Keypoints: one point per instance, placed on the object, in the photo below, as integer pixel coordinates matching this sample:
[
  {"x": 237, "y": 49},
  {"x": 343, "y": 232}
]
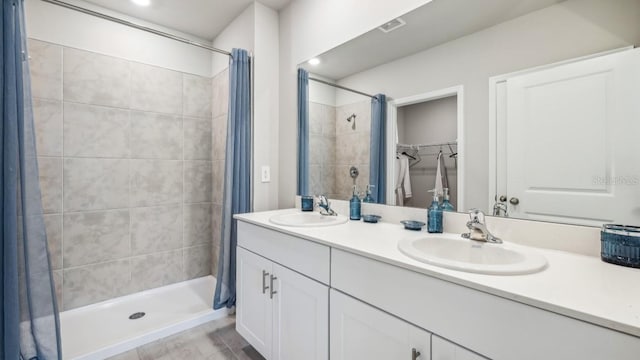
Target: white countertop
[{"x": 578, "y": 286}]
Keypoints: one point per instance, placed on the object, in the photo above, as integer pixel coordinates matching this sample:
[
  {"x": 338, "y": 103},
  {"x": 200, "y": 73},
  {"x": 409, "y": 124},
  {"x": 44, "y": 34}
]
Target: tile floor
[{"x": 216, "y": 340}]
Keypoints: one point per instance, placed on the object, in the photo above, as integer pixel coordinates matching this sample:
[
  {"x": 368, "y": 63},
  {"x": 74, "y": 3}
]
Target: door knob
[
  {"x": 415, "y": 354},
  {"x": 503, "y": 198},
  {"x": 514, "y": 201}
]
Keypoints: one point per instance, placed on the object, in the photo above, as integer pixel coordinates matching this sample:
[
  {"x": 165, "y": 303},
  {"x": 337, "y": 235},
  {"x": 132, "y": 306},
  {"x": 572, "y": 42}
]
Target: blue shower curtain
[
  {"x": 30, "y": 325},
  {"x": 303, "y": 132},
  {"x": 237, "y": 175},
  {"x": 378, "y": 157}
]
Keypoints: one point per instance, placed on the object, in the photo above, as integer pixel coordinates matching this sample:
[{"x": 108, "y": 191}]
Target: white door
[
  {"x": 300, "y": 317},
  {"x": 254, "y": 315},
  {"x": 572, "y": 136},
  {"x": 442, "y": 349},
  {"x": 362, "y": 332}
]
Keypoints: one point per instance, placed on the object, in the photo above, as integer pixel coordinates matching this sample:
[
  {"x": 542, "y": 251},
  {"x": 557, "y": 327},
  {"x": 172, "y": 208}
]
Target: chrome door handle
[
  {"x": 415, "y": 354},
  {"x": 272, "y": 292},
  {"x": 264, "y": 281}
]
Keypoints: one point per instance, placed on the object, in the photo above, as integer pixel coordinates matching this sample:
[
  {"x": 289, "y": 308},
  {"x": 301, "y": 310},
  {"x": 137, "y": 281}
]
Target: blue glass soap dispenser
[
  {"x": 446, "y": 204},
  {"x": 368, "y": 198},
  {"x": 434, "y": 215},
  {"x": 355, "y": 205}
]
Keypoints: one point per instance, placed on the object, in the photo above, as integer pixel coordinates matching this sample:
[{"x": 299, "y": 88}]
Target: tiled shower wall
[
  {"x": 335, "y": 146},
  {"x": 129, "y": 157}
]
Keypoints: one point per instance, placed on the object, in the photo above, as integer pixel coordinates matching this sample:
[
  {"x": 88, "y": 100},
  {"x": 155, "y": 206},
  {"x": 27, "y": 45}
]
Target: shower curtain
[
  {"x": 237, "y": 175},
  {"x": 377, "y": 154},
  {"x": 303, "y": 132},
  {"x": 30, "y": 325}
]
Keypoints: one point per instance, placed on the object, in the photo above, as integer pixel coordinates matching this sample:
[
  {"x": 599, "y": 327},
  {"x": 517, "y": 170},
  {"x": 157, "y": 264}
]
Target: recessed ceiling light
[
  {"x": 314, "y": 61},
  {"x": 141, "y": 2}
]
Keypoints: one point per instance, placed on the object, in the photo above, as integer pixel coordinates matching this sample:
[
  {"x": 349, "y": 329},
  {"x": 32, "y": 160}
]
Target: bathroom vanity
[{"x": 346, "y": 292}]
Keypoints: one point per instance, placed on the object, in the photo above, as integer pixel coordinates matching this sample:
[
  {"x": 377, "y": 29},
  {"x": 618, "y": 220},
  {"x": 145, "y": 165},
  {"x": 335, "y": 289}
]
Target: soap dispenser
[
  {"x": 355, "y": 205},
  {"x": 368, "y": 198},
  {"x": 434, "y": 215},
  {"x": 446, "y": 204}
]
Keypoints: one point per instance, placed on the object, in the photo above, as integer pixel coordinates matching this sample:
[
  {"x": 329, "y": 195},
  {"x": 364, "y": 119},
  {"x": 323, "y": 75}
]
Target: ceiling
[
  {"x": 435, "y": 23},
  {"x": 202, "y": 18}
]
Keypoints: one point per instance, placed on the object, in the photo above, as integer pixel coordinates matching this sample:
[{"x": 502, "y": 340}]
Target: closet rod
[
  {"x": 419, "y": 146},
  {"x": 341, "y": 87},
  {"x": 136, "y": 26}
]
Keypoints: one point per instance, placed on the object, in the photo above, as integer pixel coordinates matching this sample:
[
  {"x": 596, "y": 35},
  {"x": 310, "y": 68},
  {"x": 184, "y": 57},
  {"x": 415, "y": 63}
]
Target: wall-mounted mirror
[{"x": 523, "y": 108}]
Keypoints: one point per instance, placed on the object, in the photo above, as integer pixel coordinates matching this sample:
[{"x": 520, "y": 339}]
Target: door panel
[
  {"x": 445, "y": 350},
  {"x": 254, "y": 314},
  {"x": 361, "y": 332},
  {"x": 301, "y": 317},
  {"x": 569, "y": 139}
]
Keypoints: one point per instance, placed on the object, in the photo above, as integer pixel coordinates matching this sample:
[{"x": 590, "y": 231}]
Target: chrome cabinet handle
[
  {"x": 272, "y": 292},
  {"x": 415, "y": 354},
  {"x": 264, "y": 281}
]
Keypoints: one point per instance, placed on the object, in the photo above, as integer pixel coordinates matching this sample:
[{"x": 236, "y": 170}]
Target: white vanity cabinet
[
  {"x": 283, "y": 314},
  {"x": 360, "y": 331},
  {"x": 442, "y": 349}
]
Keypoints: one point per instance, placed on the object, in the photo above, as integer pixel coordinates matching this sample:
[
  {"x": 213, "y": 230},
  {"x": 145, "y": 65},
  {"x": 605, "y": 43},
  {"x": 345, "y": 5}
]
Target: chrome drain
[{"x": 136, "y": 316}]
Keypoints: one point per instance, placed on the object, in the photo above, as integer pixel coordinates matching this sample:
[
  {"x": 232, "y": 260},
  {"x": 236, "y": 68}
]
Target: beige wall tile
[
  {"x": 156, "y": 136},
  {"x": 53, "y": 226},
  {"x": 156, "y": 89},
  {"x": 156, "y": 182},
  {"x": 220, "y": 89},
  {"x": 47, "y": 116},
  {"x": 197, "y": 138},
  {"x": 95, "y": 184},
  {"x": 154, "y": 270},
  {"x": 218, "y": 182},
  {"x": 155, "y": 229},
  {"x": 92, "y": 237},
  {"x": 197, "y": 261},
  {"x": 46, "y": 69},
  {"x": 198, "y": 181},
  {"x": 95, "y": 131},
  {"x": 94, "y": 283},
  {"x": 92, "y": 78},
  {"x": 198, "y": 224},
  {"x": 197, "y": 95},
  {"x": 219, "y": 135},
  {"x": 50, "y": 173}
]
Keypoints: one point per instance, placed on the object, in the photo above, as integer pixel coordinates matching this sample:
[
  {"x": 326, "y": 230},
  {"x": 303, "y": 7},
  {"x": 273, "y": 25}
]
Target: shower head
[{"x": 352, "y": 117}]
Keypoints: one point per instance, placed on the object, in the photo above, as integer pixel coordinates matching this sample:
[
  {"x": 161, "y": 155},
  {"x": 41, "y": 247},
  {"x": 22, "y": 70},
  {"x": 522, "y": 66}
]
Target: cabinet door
[
  {"x": 362, "y": 332},
  {"x": 254, "y": 316},
  {"x": 300, "y": 317},
  {"x": 442, "y": 349}
]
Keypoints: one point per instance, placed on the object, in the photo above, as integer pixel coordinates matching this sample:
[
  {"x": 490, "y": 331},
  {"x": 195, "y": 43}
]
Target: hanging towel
[
  {"x": 403, "y": 180},
  {"x": 442, "y": 180}
]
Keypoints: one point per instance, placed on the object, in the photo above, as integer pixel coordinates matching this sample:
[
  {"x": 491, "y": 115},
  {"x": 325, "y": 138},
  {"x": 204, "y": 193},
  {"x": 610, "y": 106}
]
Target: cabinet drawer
[
  {"x": 495, "y": 327},
  {"x": 303, "y": 256}
]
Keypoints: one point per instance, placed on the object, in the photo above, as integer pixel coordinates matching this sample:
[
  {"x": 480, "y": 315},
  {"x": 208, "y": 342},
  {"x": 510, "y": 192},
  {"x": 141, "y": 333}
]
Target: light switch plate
[{"x": 266, "y": 174}]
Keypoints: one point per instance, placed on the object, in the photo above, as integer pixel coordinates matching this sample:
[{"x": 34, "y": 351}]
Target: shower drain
[{"x": 136, "y": 316}]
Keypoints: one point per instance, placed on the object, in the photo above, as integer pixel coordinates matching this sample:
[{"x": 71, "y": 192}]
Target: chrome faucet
[
  {"x": 325, "y": 206},
  {"x": 478, "y": 229}
]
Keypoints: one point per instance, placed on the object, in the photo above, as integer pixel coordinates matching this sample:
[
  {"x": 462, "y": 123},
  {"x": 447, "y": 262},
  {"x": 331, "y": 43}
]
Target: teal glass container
[{"x": 620, "y": 245}]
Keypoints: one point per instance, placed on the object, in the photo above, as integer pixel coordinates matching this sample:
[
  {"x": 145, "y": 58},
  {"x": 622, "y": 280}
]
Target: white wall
[
  {"x": 266, "y": 106},
  {"x": 240, "y": 33},
  {"x": 256, "y": 29},
  {"x": 70, "y": 28},
  {"x": 309, "y": 28},
  {"x": 321, "y": 93},
  {"x": 570, "y": 29}
]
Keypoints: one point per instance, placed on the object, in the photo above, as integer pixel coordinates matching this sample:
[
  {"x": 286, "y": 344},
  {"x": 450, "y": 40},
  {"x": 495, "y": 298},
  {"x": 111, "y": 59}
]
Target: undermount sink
[
  {"x": 307, "y": 219},
  {"x": 454, "y": 252}
]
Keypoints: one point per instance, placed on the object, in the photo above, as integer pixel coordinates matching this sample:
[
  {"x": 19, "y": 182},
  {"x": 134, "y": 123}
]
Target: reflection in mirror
[{"x": 563, "y": 75}]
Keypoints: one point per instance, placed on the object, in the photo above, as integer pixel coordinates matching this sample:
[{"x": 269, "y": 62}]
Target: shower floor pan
[{"x": 105, "y": 329}]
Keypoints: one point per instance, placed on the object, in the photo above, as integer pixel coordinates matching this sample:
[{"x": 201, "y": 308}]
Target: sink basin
[
  {"x": 453, "y": 252},
  {"x": 307, "y": 219}
]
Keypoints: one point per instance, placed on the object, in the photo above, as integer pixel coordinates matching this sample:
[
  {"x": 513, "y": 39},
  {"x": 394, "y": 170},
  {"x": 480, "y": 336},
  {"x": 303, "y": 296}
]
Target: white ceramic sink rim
[
  {"x": 450, "y": 250},
  {"x": 307, "y": 219}
]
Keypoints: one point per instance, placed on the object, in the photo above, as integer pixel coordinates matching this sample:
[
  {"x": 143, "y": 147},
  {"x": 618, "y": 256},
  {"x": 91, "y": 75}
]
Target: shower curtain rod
[
  {"x": 136, "y": 26},
  {"x": 341, "y": 87}
]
